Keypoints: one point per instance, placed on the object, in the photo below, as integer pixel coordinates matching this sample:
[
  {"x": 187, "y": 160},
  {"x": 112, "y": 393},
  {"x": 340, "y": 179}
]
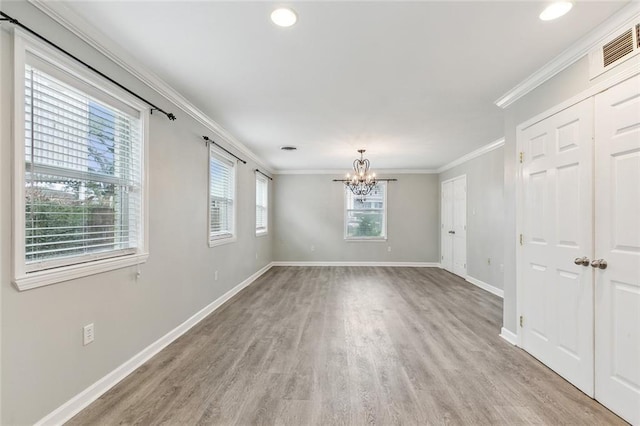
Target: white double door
[
  {"x": 454, "y": 226},
  {"x": 580, "y": 258}
]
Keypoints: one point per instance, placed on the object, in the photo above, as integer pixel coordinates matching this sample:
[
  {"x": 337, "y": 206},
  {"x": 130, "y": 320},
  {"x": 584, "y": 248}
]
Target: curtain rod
[
  {"x": 14, "y": 21},
  {"x": 380, "y": 180},
  {"x": 264, "y": 174},
  {"x": 208, "y": 140}
]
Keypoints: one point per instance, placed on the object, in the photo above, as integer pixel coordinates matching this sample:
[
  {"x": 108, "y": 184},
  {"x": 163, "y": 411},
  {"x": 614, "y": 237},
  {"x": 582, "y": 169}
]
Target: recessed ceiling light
[
  {"x": 288, "y": 148},
  {"x": 556, "y": 10},
  {"x": 284, "y": 17}
]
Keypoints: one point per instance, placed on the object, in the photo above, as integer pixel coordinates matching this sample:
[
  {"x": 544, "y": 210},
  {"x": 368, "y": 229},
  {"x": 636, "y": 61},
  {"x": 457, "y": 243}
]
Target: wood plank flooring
[{"x": 347, "y": 346}]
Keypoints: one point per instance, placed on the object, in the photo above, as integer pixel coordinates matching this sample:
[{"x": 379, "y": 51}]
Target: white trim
[
  {"x": 473, "y": 154},
  {"x": 70, "y": 20},
  {"x": 487, "y": 287},
  {"x": 384, "y": 235},
  {"x": 342, "y": 172},
  {"x": 93, "y": 392},
  {"x": 332, "y": 263},
  {"x": 570, "y": 55},
  {"x": 23, "y": 279},
  {"x": 219, "y": 155},
  {"x": 509, "y": 336},
  {"x": 71, "y": 272}
]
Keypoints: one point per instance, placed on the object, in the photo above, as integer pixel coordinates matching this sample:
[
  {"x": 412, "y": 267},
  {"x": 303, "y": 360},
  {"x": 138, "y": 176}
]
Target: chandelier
[{"x": 362, "y": 182}]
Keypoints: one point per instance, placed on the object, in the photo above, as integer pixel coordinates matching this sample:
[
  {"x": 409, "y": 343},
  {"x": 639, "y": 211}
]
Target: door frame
[
  {"x": 464, "y": 175},
  {"x": 585, "y": 94}
]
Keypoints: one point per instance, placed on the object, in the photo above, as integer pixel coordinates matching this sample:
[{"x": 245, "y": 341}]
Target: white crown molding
[
  {"x": 342, "y": 172},
  {"x": 487, "y": 287},
  {"x": 473, "y": 154},
  {"x": 73, "y": 406},
  {"x": 70, "y": 20},
  {"x": 570, "y": 55},
  {"x": 331, "y": 263},
  {"x": 509, "y": 336}
]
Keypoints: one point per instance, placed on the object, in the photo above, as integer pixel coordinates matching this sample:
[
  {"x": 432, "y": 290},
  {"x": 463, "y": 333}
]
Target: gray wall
[
  {"x": 563, "y": 86},
  {"x": 43, "y": 360},
  {"x": 309, "y": 211},
  {"x": 485, "y": 236}
]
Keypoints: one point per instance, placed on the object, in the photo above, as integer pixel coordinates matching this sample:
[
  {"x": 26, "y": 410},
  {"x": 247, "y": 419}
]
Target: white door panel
[
  {"x": 454, "y": 226},
  {"x": 617, "y": 303},
  {"x": 460, "y": 226},
  {"x": 447, "y": 226},
  {"x": 557, "y": 228}
]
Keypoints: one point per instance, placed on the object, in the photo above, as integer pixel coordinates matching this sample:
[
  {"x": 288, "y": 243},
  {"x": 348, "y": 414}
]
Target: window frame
[
  {"x": 260, "y": 232},
  {"x": 233, "y": 236},
  {"x": 381, "y": 238},
  {"x": 24, "y": 278}
]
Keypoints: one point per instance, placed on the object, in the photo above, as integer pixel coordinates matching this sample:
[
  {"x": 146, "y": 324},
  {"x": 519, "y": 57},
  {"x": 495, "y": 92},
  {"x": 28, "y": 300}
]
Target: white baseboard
[
  {"x": 488, "y": 287},
  {"x": 72, "y": 407},
  {"x": 394, "y": 264},
  {"x": 509, "y": 336}
]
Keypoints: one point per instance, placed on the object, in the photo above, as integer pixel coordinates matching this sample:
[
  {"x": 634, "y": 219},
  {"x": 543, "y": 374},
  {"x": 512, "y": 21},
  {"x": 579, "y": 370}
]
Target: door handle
[
  {"x": 452, "y": 232},
  {"x": 600, "y": 263},
  {"x": 584, "y": 261}
]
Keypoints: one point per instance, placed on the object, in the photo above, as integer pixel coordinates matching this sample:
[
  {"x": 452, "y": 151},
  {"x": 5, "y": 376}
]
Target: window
[
  {"x": 262, "y": 204},
  {"x": 79, "y": 166},
  {"x": 366, "y": 217},
  {"x": 221, "y": 197}
]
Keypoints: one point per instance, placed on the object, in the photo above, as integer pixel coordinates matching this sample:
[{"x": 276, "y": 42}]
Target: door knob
[
  {"x": 600, "y": 263},
  {"x": 584, "y": 261}
]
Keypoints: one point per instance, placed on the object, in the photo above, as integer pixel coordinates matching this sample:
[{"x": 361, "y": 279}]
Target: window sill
[
  {"x": 366, "y": 240},
  {"x": 67, "y": 273},
  {"x": 262, "y": 233},
  {"x": 222, "y": 241}
]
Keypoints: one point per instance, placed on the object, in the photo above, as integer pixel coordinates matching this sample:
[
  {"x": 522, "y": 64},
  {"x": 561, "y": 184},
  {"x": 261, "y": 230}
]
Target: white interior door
[
  {"x": 617, "y": 303},
  {"x": 557, "y": 300},
  {"x": 447, "y": 226},
  {"x": 459, "y": 235}
]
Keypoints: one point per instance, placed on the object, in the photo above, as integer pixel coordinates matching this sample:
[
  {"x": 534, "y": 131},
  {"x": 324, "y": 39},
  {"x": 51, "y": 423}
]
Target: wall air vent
[{"x": 618, "y": 47}]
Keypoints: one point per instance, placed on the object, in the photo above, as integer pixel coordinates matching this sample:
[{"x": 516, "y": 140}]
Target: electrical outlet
[
  {"x": 313, "y": 248},
  {"x": 501, "y": 267},
  {"x": 215, "y": 276},
  {"x": 88, "y": 334},
  {"x": 389, "y": 249}
]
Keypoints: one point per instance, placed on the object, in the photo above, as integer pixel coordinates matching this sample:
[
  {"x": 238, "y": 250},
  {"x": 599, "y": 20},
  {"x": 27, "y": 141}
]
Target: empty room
[{"x": 319, "y": 212}]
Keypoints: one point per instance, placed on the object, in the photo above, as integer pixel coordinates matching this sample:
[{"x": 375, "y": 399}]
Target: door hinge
[
  {"x": 521, "y": 321},
  {"x": 521, "y": 157},
  {"x": 465, "y": 266},
  {"x": 521, "y": 239},
  {"x": 441, "y": 257}
]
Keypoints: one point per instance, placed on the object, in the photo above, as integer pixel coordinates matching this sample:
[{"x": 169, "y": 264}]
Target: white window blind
[
  {"x": 82, "y": 175},
  {"x": 365, "y": 217},
  {"x": 221, "y": 195},
  {"x": 262, "y": 206}
]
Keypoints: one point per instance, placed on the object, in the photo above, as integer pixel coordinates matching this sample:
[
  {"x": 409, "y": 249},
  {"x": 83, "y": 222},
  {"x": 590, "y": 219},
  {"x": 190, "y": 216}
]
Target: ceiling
[{"x": 412, "y": 82}]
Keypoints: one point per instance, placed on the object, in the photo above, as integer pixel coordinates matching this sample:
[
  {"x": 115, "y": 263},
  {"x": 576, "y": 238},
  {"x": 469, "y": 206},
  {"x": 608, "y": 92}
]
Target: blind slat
[
  {"x": 221, "y": 195},
  {"x": 82, "y": 175}
]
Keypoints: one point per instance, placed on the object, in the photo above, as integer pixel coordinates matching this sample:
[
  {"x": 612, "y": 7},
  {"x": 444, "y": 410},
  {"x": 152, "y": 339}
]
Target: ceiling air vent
[{"x": 617, "y": 48}]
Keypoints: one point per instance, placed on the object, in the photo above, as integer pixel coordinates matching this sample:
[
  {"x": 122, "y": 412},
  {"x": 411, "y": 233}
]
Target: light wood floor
[{"x": 348, "y": 346}]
